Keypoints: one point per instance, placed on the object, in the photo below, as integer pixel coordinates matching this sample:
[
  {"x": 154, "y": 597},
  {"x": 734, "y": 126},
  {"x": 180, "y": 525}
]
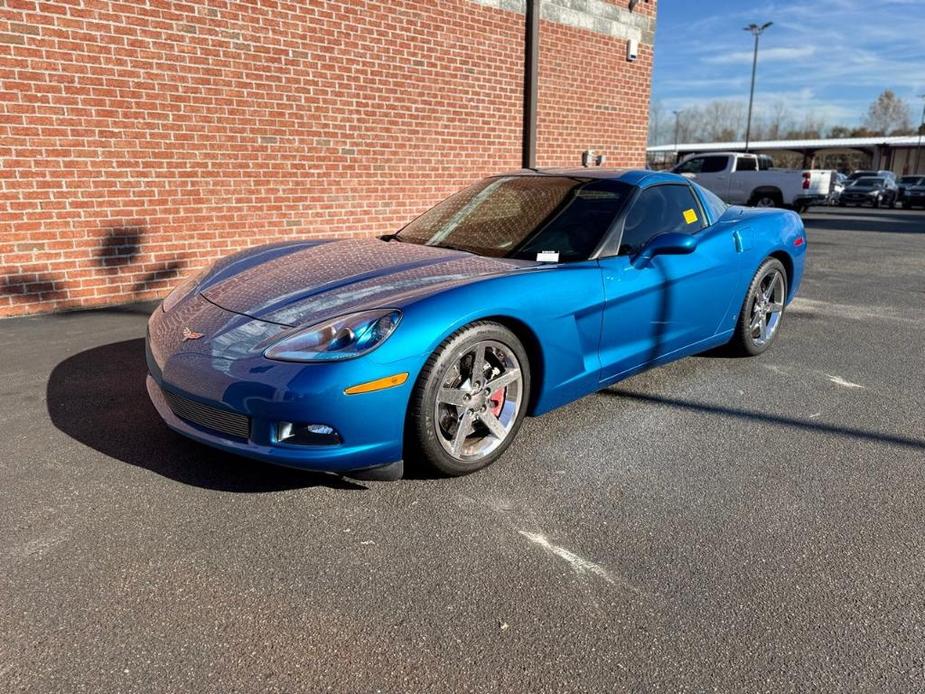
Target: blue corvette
[{"x": 517, "y": 295}]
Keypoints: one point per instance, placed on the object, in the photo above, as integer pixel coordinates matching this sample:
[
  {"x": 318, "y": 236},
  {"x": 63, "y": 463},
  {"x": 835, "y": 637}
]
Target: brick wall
[{"x": 140, "y": 140}]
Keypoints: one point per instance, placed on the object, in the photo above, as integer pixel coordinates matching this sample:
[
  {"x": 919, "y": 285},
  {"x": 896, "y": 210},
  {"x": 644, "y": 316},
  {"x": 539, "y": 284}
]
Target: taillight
[
  {"x": 799, "y": 241},
  {"x": 806, "y": 177}
]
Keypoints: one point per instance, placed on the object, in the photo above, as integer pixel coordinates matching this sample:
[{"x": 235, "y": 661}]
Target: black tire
[
  {"x": 423, "y": 429},
  {"x": 743, "y": 340}
]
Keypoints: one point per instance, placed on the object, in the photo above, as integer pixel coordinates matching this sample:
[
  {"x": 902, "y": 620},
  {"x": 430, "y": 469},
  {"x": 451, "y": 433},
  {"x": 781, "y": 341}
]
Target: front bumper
[
  {"x": 370, "y": 425},
  {"x": 864, "y": 199}
]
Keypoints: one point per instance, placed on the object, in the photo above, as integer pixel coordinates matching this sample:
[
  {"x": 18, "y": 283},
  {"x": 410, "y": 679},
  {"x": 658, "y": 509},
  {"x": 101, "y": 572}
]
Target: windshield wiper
[{"x": 391, "y": 237}]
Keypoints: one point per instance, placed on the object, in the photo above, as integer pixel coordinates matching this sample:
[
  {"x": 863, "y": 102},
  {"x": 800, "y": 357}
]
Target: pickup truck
[{"x": 750, "y": 179}]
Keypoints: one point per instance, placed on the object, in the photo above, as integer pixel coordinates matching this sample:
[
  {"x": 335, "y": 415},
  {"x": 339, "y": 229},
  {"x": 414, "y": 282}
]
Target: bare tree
[
  {"x": 889, "y": 114},
  {"x": 777, "y": 119},
  {"x": 656, "y": 122},
  {"x": 722, "y": 120}
]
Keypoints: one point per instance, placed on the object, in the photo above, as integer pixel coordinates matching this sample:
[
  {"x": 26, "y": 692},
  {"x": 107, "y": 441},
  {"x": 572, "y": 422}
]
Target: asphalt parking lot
[{"x": 729, "y": 524}]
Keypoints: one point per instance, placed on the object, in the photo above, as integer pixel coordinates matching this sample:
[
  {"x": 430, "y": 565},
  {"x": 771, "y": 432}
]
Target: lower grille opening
[{"x": 208, "y": 417}]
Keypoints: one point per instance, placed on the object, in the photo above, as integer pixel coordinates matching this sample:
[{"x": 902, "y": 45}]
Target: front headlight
[
  {"x": 339, "y": 338},
  {"x": 183, "y": 290}
]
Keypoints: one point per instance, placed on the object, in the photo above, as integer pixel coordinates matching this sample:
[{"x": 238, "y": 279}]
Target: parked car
[
  {"x": 864, "y": 173},
  {"x": 876, "y": 191},
  {"x": 904, "y": 183},
  {"x": 515, "y": 296},
  {"x": 913, "y": 195},
  {"x": 749, "y": 179}
]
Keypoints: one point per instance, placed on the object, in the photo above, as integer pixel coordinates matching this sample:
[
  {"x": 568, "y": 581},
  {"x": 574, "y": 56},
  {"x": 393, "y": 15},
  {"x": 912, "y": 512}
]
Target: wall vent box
[{"x": 632, "y": 49}]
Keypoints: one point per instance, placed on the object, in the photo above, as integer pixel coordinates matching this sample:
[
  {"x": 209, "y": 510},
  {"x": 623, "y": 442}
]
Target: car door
[
  {"x": 671, "y": 302},
  {"x": 743, "y": 180}
]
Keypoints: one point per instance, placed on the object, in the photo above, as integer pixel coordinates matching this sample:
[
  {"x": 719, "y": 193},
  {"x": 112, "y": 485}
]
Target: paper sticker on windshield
[
  {"x": 547, "y": 257},
  {"x": 690, "y": 216}
]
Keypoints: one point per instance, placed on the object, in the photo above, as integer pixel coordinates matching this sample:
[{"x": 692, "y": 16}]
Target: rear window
[{"x": 862, "y": 182}]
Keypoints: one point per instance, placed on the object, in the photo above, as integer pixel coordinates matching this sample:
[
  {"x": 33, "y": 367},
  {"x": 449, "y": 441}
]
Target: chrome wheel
[
  {"x": 765, "y": 201},
  {"x": 478, "y": 399},
  {"x": 767, "y": 305}
]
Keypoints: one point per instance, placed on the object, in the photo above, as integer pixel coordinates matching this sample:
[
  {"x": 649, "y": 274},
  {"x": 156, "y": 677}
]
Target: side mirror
[{"x": 669, "y": 243}]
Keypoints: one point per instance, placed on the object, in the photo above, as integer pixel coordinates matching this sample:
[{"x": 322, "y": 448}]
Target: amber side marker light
[{"x": 378, "y": 384}]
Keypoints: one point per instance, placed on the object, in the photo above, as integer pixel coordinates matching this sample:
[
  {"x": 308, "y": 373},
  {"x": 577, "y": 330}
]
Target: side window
[
  {"x": 659, "y": 210},
  {"x": 746, "y": 164},
  {"x": 693, "y": 166},
  {"x": 716, "y": 207},
  {"x": 714, "y": 164}
]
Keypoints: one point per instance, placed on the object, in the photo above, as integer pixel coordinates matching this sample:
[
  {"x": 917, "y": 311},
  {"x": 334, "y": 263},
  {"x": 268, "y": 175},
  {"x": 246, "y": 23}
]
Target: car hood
[{"x": 299, "y": 283}]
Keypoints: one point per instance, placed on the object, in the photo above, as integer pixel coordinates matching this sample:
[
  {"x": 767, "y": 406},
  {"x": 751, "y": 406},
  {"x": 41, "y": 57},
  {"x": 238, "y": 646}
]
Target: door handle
[{"x": 743, "y": 239}]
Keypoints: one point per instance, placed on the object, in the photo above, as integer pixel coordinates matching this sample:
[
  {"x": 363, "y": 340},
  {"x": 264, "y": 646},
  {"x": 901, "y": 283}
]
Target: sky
[{"x": 825, "y": 58}]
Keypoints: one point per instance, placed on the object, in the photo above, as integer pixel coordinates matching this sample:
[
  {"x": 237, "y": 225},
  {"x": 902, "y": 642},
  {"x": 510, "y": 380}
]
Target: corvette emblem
[{"x": 190, "y": 335}]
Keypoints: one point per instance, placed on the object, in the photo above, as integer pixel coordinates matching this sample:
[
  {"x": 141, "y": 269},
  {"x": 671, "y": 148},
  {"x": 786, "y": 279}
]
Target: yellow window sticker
[{"x": 690, "y": 216}]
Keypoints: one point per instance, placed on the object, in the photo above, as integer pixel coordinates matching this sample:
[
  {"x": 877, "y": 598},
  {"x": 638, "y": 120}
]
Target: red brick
[{"x": 211, "y": 131}]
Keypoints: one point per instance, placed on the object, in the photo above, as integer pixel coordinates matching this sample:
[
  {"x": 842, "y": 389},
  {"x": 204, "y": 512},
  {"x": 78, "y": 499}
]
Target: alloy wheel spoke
[
  {"x": 775, "y": 307},
  {"x": 503, "y": 380},
  {"x": 772, "y": 287},
  {"x": 763, "y": 328},
  {"x": 465, "y": 428},
  {"x": 756, "y": 322},
  {"x": 452, "y": 396},
  {"x": 494, "y": 424},
  {"x": 478, "y": 363}
]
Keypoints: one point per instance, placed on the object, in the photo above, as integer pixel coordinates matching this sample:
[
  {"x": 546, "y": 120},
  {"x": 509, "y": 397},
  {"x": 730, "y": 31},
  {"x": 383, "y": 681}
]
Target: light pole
[
  {"x": 677, "y": 127},
  {"x": 756, "y": 31},
  {"x": 918, "y": 149}
]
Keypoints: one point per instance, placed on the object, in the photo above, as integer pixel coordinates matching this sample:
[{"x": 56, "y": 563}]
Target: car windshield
[
  {"x": 868, "y": 182},
  {"x": 557, "y": 218},
  {"x": 912, "y": 180}
]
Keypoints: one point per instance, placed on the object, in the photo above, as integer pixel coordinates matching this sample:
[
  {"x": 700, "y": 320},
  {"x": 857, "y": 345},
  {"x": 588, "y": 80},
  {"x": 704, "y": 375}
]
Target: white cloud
[{"x": 766, "y": 55}]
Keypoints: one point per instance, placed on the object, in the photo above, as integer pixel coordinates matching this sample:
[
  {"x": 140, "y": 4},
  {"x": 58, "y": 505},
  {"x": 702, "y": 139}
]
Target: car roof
[{"x": 642, "y": 178}]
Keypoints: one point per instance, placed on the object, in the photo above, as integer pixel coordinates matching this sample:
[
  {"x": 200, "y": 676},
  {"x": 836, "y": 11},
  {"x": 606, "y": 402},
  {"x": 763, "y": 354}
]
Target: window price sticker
[
  {"x": 690, "y": 216},
  {"x": 547, "y": 257}
]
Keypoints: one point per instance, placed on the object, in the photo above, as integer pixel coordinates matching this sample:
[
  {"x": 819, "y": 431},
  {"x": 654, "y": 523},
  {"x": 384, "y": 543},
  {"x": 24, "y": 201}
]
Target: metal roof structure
[{"x": 796, "y": 145}]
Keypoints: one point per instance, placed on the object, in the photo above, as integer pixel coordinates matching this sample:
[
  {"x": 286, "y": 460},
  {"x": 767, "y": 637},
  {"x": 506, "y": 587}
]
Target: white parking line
[{"x": 839, "y": 381}]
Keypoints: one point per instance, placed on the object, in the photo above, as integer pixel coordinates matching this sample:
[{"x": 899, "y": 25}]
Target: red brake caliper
[{"x": 496, "y": 401}]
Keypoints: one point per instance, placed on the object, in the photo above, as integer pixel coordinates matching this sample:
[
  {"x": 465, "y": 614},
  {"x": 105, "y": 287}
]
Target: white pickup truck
[{"x": 749, "y": 179}]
